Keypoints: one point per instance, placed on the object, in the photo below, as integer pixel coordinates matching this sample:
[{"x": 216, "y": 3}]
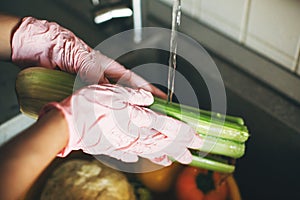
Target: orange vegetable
[{"x": 160, "y": 180}]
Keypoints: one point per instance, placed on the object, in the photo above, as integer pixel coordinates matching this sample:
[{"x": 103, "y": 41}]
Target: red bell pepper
[{"x": 199, "y": 184}]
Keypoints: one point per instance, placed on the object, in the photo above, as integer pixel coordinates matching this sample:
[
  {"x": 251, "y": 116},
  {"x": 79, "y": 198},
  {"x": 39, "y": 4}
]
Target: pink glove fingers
[
  {"x": 92, "y": 65},
  {"x": 177, "y": 147},
  {"x": 159, "y": 159},
  {"x": 105, "y": 119},
  {"x": 168, "y": 126},
  {"x": 123, "y": 156},
  {"x": 39, "y": 42},
  {"x": 138, "y": 97},
  {"x": 47, "y": 44},
  {"x": 121, "y": 75},
  {"x": 168, "y": 138},
  {"x": 184, "y": 157}
]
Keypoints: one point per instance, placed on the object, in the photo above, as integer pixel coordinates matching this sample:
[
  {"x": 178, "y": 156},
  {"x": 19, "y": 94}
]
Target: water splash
[{"x": 176, "y": 18}]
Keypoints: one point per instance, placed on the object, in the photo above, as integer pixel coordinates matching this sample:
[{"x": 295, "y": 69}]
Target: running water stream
[{"x": 176, "y": 17}]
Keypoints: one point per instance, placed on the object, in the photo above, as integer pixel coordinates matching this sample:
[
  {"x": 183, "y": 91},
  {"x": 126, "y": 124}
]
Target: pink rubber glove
[
  {"x": 111, "y": 120},
  {"x": 42, "y": 43}
]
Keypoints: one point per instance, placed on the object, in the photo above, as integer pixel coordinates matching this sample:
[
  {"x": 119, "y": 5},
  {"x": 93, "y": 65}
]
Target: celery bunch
[{"x": 224, "y": 136}]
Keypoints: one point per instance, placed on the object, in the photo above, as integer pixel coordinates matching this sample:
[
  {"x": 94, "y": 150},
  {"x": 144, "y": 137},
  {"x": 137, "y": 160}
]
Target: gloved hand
[
  {"x": 111, "y": 120},
  {"x": 42, "y": 43}
]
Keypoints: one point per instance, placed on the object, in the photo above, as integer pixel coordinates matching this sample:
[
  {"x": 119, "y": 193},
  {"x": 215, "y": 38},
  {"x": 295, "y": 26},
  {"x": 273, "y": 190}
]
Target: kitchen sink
[{"x": 270, "y": 166}]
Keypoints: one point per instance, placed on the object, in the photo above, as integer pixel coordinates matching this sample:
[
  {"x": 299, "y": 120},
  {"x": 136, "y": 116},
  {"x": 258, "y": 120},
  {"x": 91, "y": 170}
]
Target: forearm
[
  {"x": 26, "y": 156},
  {"x": 8, "y": 25}
]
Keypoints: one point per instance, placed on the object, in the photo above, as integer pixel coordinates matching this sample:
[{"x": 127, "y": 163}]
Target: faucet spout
[{"x": 137, "y": 20}]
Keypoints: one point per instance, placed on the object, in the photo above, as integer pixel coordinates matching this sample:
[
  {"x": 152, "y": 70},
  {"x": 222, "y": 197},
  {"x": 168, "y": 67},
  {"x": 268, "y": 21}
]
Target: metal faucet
[
  {"x": 137, "y": 20},
  {"x": 109, "y": 9}
]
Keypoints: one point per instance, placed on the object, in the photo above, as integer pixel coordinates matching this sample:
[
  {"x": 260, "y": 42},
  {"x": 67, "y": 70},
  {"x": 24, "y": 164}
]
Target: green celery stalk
[{"x": 202, "y": 124}]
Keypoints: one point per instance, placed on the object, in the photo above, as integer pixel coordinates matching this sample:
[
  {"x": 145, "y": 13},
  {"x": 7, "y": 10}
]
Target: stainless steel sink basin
[{"x": 270, "y": 167}]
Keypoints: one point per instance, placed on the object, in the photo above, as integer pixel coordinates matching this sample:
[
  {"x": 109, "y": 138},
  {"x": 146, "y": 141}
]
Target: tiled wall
[{"x": 270, "y": 27}]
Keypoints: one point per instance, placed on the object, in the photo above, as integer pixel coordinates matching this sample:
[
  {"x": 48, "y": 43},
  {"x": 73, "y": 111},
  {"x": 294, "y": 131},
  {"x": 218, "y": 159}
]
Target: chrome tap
[
  {"x": 110, "y": 9},
  {"x": 106, "y": 10},
  {"x": 137, "y": 20}
]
